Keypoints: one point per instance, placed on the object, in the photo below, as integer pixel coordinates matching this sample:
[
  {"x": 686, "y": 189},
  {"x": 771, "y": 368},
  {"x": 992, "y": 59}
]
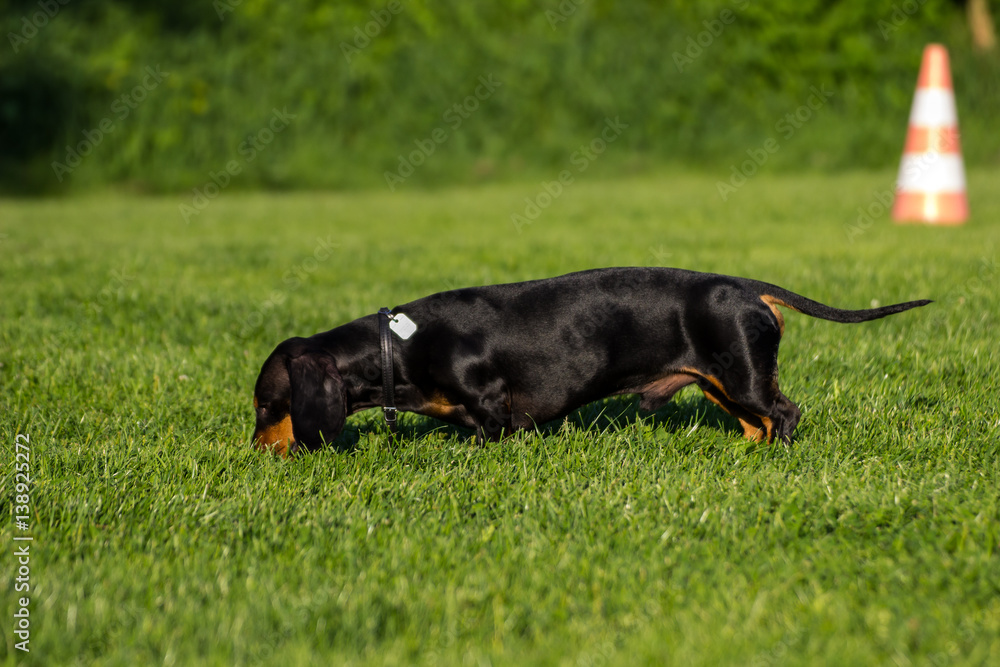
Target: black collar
[{"x": 385, "y": 342}]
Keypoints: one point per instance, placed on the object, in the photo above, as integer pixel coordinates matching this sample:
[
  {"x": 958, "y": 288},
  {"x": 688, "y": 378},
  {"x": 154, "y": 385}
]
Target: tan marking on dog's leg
[
  {"x": 750, "y": 431},
  {"x": 438, "y": 407},
  {"x": 769, "y": 425},
  {"x": 773, "y": 303}
]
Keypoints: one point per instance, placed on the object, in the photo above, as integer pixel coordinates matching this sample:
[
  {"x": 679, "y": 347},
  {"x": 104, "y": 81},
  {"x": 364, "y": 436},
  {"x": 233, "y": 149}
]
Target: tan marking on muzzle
[{"x": 276, "y": 438}]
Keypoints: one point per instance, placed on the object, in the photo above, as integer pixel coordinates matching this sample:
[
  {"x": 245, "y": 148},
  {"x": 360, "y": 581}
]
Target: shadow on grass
[{"x": 610, "y": 414}]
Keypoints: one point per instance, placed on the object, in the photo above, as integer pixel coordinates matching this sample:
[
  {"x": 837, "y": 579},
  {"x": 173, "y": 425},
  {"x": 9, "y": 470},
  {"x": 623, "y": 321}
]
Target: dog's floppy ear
[{"x": 318, "y": 399}]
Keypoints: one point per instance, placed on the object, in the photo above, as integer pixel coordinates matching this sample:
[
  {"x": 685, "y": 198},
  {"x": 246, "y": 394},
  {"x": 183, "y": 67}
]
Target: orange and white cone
[{"x": 931, "y": 183}]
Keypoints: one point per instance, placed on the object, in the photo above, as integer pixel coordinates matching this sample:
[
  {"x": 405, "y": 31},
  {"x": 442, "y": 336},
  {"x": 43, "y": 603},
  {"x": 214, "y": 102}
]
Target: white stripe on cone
[
  {"x": 931, "y": 172},
  {"x": 933, "y": 107}
]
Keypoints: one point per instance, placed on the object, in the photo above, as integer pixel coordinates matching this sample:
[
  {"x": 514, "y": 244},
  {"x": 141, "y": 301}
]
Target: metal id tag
[{"x": 402, "y": 325}]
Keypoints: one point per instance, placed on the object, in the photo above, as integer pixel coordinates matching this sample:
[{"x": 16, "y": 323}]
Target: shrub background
[{"x": 564, "y": 67}]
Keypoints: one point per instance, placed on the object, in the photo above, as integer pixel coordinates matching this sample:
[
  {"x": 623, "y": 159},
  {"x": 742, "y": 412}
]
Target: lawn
[{"x": 130, "y": 341}]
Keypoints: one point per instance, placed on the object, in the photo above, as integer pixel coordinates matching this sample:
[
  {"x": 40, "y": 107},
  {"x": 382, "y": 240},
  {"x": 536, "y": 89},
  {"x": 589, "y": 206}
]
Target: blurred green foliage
[{"x": 368, "y": 83}]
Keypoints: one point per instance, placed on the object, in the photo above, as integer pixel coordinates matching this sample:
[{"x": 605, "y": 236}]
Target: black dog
[{"x": 506, "y": 357}]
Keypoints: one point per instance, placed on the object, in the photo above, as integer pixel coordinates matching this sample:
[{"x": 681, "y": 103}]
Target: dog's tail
[{"x": 773, "y": 295}]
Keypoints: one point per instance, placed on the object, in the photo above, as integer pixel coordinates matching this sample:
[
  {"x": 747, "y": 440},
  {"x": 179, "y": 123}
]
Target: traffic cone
[{"x": 931, "y": 183}]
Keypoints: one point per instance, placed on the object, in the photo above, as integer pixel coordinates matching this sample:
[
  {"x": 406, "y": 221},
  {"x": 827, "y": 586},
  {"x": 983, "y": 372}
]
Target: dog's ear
[{"x": 318, "y": 399}]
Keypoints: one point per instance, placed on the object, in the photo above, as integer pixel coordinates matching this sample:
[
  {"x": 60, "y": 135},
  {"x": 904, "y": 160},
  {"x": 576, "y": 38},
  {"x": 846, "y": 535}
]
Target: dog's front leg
[{"x": 493, "y": 416}]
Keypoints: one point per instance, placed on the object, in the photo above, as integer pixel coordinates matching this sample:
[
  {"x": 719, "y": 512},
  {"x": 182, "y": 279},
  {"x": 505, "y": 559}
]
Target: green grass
[{"x": 130, "y": 341}]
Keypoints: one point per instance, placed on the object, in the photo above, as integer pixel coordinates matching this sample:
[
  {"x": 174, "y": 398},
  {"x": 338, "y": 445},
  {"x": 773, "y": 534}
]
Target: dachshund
[{"x": 500, "y": 358}]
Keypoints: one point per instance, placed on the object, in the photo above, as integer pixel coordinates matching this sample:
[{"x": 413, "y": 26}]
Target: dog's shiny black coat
[{"x": 504, "y": 357}]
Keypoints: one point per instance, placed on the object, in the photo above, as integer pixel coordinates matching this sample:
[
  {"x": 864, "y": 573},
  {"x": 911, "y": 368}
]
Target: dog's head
[{"x": 299, "y": 398}]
